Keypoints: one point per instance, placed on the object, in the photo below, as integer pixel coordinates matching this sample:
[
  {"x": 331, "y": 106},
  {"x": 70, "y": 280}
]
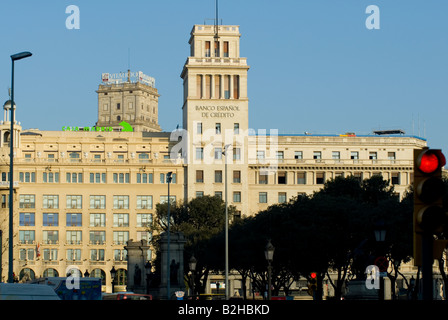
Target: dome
[{"x": 7, "y": 105}]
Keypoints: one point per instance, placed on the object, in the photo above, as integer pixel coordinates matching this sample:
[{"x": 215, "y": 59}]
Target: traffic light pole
[{"x": 427, "y": 263}]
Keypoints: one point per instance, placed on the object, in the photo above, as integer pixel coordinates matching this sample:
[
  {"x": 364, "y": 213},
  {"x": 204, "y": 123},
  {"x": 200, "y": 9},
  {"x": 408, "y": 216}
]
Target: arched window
[
  {"x": 26, "y": 274},
  {"x": 50, "y": 273}
]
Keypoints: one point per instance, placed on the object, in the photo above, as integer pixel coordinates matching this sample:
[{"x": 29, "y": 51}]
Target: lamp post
[
  {"x": 113, "y": 272},
  {"x": 148, "y": 267},
  {"x": 269, "y": 254},
  {"x": 380, "y": 237},
  {"x": 227, "y": 225},
  {"x": 14, "y": 57},
  {"x": 192, "y": 265},
  {"x": 168, "y": 275}
]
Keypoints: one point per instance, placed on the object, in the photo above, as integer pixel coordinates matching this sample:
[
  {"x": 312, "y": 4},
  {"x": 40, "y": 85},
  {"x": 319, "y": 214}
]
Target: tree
[{"x": 200, "y": 220}]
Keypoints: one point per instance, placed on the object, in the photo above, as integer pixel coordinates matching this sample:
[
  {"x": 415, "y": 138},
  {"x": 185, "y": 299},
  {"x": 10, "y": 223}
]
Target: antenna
[{"x": 216, "y": 20}]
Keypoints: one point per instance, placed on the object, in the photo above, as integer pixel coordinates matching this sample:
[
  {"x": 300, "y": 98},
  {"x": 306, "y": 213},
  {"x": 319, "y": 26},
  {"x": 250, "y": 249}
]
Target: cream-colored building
[{"x": 81, "y": 193}]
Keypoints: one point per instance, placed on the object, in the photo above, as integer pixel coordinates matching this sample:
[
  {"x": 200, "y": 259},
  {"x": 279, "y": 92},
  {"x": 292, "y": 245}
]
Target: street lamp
[
  {"x": 168, "y": 281},
  {"x": 148, "y": 267},
  {"x": 192, "y": 265},
  {"x": 380, "y": 237},
  {"x": 14, "y": 57},
  {"x": 269, "y": 254},
  {"x": 227, "y": 225},
  {"x": 113, "y": 272}
]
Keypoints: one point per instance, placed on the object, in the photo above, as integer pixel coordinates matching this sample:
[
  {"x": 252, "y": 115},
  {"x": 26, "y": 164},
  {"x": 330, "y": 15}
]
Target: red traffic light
[
  {"x": 313, "y": 275},
  {"x": 430, "y": 160}
]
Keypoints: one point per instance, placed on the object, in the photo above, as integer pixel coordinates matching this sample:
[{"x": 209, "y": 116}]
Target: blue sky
[{"x": 315, "y": 66}]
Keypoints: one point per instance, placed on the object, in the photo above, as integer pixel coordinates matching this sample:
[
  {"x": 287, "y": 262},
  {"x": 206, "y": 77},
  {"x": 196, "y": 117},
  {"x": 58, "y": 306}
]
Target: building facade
[{"x": 81, "y": 194}]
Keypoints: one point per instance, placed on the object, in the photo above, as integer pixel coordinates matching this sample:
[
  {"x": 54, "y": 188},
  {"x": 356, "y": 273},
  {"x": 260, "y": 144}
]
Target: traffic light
[
  {"x": 312, "y": 283},
  {"x": 429, "y": 216}
]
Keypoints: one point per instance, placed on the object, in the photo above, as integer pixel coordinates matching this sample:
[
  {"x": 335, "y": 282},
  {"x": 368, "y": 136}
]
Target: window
[
  {"x": 143, "y": 158},
  {"x": 98, "y": 177},
  {"x": 236, "y": 87},
  {"x": 74, "y": 254},
  {"x": 120, "y": 255},
  {"x": 51, "y": 177},
  {"x": 73, "y": 237},
  {"x": 199, "y": 153},
  {"x": 74, "y": 220},
  {"x": 50, "y": 201},
  {"x": 118, "y": 106},
  {"x": 97, "y": 202},
  {"x": 301, "y": 178},
  {"x": 74, "y": 156},
  {"x": 226, "y": 87},
  {"x": 236, "y": 128},
  {"x": 27, "y": 201},
  {"x": 281, "y": 177},
  {"x": 282, "y": 197},
  {"x": 199, "y": 194},
  {"x": 96, "y": 158},
  {"x": 226, "y": 49},
  {"x": 216, "y": 48},
  {"x": 199, "y": 127},
  {"x": 97, "y": 237},
  {"x": 391, "y": 156},
  {"x": 97, "y": 254},
  {"x": 263, "y": 197},
  {"x": 27, "y": 236},
  {"x": 317, "y": 155},
  {"x": 218, "y": 194},
  {"x": 97, "y": 219},
  {"x": 74, "y": 202},
  {"x": 218, "y": 128},
  {"x": 354, "y": 155},
  {"x": 207, "y": 49},
  {"x": 236, "y": 176},
  {"x": 164, "y": 177},
  {"x": 144, "y": 202},
  {"x": 218, "y": 176},
  {"x": 145, "y": 178},
  {"x": 164, "y": 199},
  {"x": 236, "y": 154},
  {"x": 144, "y": 220},
  {"x": 237, "y": 196},
  {"x": 26, "y": 219},
  {"x": 279, "y": 155},
  {"x": 320, "y": 178},
  {"x": 120, "y": 237},
  {"x": 373, "y": 155},
  {"x": 73, "y": 177},
  {"x": 121, "y": 202},
  {"x": 298, "y": 155},
  {"x": 26, "y": 177},
  {"x": 395, "y": 178},
  {"x": 260, "y": 154},
  {"x": 218, "y": 153},
  {"x": 358, "y": 176},
  {"x": 263, "y": 179},
  {"x": 336, "y": 155},
  {"x": 121, "y": 177},
  {"x": 50, "y": 220},
  {"x": 27, "y": 254},
  {"x": 121, "y": 220},
  {"x": 50, "y": 254},
  {"x": 50, "y": 237},
  {"x": 199, "y": 176}
]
